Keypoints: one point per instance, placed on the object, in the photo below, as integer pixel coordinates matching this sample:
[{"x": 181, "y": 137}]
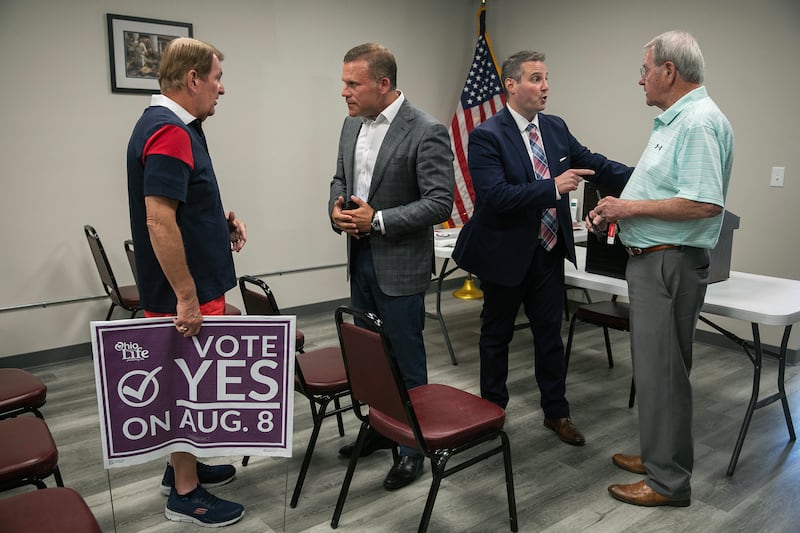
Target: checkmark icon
[{"x": 135, "y": 395}]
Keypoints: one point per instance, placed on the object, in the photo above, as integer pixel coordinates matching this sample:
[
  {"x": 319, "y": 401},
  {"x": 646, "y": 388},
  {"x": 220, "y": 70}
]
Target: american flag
[{"x": 481, "y": 98}]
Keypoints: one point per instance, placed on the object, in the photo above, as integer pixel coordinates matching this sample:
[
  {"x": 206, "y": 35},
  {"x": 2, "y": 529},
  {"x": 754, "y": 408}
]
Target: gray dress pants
[{"x": 666, "y": 290}]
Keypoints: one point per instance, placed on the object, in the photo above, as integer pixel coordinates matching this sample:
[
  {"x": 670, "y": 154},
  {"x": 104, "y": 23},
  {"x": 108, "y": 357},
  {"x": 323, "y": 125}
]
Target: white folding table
[{"x": 757, "y": 299}]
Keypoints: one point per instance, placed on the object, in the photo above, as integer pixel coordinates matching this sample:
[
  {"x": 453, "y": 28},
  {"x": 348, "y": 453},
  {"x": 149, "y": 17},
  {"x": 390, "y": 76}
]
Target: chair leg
[
  {"x": 245, "y": 460},
  {"x": 608, "y": 347},
  {"x": 632, "y": 396},
  {"x": 438, "y": 463},
  {"x": 110, "y": 311},
  {"x": 512, "y": 501},
  {"x": 57, "y": 475},
  {"x": 312, "y": 442},
  {"x": 339, "y": 422},
  {"x": 569, "y": 340},
  {"x": 348, "y": 477}
]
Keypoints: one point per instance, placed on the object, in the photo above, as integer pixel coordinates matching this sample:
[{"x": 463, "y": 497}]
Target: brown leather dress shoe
[
  {"x": 565, "y": 430},
  {"x": 641, "y": 494},
  {"x": 631, "y": 463}
]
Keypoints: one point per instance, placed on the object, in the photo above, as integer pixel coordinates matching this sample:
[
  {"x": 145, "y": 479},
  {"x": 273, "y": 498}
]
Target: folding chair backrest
[
  {"x": 103, "y": 265},
  {"x": 131, "y": 254},
  {"x": 373, "y": 373},
  {"x": 260, "y": 301}
]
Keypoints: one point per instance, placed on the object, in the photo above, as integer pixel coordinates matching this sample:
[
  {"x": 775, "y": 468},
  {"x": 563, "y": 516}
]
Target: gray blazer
[{"x": 412, "y": 185}]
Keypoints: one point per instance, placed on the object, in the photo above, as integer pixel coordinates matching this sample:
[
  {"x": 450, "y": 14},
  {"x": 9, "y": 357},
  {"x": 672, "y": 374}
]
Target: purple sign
[{"x": 227, "y": 391}]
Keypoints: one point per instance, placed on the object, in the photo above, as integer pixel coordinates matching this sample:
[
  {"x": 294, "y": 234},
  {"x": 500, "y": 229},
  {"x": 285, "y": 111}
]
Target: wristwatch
[{"x": 375, "y": 224}]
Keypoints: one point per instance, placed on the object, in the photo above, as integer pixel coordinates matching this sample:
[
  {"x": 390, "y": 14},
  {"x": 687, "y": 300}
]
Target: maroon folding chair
[
  {"x": 20, "y": 392},
  {"x": 439, "y": 420},
  {"x": 606, "y": 314},
  {"x": 319, "y": 374},
  {"x": 259, "y": 300},
  {"x": 125, "y": 296},
  {"x": 130, "y": 253},
  {"x": 54, "y": 510},
  {"x": 28, "y": 453}
]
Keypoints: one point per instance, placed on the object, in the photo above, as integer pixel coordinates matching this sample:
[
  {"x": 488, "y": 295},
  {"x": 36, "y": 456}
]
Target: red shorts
[{"x": 215, "y": 307}]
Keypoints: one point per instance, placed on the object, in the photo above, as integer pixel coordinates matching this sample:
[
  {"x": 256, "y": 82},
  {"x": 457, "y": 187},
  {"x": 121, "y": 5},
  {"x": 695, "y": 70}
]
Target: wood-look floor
[{"x": 559, "y": 488}]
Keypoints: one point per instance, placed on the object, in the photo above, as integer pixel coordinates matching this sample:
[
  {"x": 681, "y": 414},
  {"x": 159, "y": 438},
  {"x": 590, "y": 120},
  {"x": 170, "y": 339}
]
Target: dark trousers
[
  {"x": 542, "y": 295},
  {"x": 403, "y": 317}
]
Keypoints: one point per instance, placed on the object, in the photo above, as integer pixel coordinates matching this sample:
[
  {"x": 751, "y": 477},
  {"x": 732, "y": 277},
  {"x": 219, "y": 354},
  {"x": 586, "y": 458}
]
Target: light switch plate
[{"x": 776, "y": 177}]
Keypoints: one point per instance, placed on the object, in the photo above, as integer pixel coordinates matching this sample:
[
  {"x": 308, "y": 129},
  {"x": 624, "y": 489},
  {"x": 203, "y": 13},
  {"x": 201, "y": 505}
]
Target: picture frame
[{"x": 135, "y": 46}]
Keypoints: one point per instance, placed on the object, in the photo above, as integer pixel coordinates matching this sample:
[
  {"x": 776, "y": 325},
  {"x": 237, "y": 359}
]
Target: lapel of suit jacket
[
  {"x": 513, "y": 136},
  {"x": 549, "y": 140},
  {"x": 397, "y": 131},
  {"x": 349, "y": 140}
]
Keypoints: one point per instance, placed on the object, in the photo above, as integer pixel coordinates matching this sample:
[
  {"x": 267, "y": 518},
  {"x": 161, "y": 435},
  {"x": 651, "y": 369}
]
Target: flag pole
[{"x": 492, "y": 100}]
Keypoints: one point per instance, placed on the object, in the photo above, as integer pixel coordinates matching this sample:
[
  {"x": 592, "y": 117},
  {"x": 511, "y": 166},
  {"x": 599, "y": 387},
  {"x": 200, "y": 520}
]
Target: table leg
[
  {"x": 756, "y": 356},
  {"x": 755, "y": 403},
  {"x": 781, "y": 375},
  {"x": 443, "y": 273},
  {"x": 751, "y": 406}
]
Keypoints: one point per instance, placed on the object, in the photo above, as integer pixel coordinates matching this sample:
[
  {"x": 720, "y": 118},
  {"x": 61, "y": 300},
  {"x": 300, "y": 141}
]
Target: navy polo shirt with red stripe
[{"x": 170, "y": 159}]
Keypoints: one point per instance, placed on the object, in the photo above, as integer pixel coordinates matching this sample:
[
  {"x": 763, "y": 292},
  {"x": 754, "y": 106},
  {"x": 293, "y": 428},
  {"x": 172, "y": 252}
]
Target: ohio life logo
[{"x": 131, "y": 351}]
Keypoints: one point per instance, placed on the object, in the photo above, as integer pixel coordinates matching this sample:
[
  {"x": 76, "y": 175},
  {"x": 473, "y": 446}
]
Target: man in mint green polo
[{"x": 669, "y": 217}]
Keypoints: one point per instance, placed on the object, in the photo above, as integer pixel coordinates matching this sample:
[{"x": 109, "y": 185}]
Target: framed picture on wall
[{"x": 135, "y": 46}]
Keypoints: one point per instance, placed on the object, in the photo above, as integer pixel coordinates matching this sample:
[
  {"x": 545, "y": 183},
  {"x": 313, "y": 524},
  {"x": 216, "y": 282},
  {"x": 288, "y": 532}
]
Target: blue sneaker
[
  {"x": 202, "y": 508},
  {"x": 208, "y": 476}
]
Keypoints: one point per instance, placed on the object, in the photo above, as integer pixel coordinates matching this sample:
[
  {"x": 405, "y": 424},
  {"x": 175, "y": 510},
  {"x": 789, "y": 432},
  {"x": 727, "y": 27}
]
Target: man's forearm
[
  {"x": 610, "y": 209},
  {"x": 674, "y": 209},
  {"x": 167, "y": 242}
]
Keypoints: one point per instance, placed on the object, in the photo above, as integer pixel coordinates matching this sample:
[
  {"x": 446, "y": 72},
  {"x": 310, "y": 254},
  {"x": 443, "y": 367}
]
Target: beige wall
[
  {"x": 593, "y": 56},
  {"x": 62, "y": 159},
  {"x": 273, "y": 139}
]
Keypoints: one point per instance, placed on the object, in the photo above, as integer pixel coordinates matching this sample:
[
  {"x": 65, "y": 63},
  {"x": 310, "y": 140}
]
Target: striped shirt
[{"x": 689, "y": 155}]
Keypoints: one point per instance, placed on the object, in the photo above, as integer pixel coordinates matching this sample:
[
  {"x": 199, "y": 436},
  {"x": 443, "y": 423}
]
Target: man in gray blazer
[{"x": 394, "y": 181}]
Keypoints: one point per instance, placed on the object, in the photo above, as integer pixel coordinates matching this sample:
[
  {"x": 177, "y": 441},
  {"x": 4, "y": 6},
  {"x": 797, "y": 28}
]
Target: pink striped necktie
[{"x": 549, "y": 228}]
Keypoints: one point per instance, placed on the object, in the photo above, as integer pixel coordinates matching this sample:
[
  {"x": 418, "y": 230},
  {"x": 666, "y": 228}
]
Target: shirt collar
[
  {"x": 172, "y": 105},
  {"x": 389, "y": 113},
  {"x": 695, "y": 95},
  {"x": 522, "y": 122}
]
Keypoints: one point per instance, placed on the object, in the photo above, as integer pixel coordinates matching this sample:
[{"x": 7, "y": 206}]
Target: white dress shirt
[{"x": 370, "y": 139}]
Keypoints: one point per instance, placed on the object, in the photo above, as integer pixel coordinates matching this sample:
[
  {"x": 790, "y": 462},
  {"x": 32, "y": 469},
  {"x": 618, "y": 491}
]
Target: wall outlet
[{"x": 776, "y": 177}]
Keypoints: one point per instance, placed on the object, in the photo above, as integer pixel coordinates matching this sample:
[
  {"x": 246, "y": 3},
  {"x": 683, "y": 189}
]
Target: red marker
[{"x": 612, "y": 232}]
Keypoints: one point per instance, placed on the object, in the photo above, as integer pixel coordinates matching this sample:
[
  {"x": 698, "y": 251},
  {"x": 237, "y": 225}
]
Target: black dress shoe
[
  {"x": 405, "y": 472},
  {"x": 374, "y": 441}
]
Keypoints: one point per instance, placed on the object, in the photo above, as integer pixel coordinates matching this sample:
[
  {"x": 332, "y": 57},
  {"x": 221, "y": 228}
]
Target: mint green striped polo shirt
[{"x": 689, "y": 155}]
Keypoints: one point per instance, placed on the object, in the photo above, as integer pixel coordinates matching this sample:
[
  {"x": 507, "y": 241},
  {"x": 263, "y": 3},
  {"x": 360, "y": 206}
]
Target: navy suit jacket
[{"x": 498, "y": 243}]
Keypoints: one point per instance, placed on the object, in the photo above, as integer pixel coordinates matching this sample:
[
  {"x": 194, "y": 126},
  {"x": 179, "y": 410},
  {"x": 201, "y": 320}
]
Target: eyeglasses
[{"x": 644, "y": 71}]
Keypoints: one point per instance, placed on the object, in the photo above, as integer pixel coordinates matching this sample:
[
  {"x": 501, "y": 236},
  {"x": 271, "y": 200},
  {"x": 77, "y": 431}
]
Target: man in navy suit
[{"x": 524, "y": 164}]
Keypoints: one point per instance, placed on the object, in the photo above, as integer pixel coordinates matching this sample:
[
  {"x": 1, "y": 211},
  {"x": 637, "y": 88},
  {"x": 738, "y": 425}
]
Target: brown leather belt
[{"x": 632, "y": 250}]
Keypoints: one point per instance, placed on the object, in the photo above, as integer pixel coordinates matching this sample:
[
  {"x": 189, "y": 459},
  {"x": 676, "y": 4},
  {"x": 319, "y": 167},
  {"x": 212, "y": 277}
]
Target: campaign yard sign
[{"x": 227, "y": 391}]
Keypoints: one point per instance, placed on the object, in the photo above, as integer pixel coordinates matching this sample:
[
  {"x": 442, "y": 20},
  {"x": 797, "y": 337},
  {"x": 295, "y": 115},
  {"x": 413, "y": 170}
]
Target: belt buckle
[{"x": 633, "y": 250}]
